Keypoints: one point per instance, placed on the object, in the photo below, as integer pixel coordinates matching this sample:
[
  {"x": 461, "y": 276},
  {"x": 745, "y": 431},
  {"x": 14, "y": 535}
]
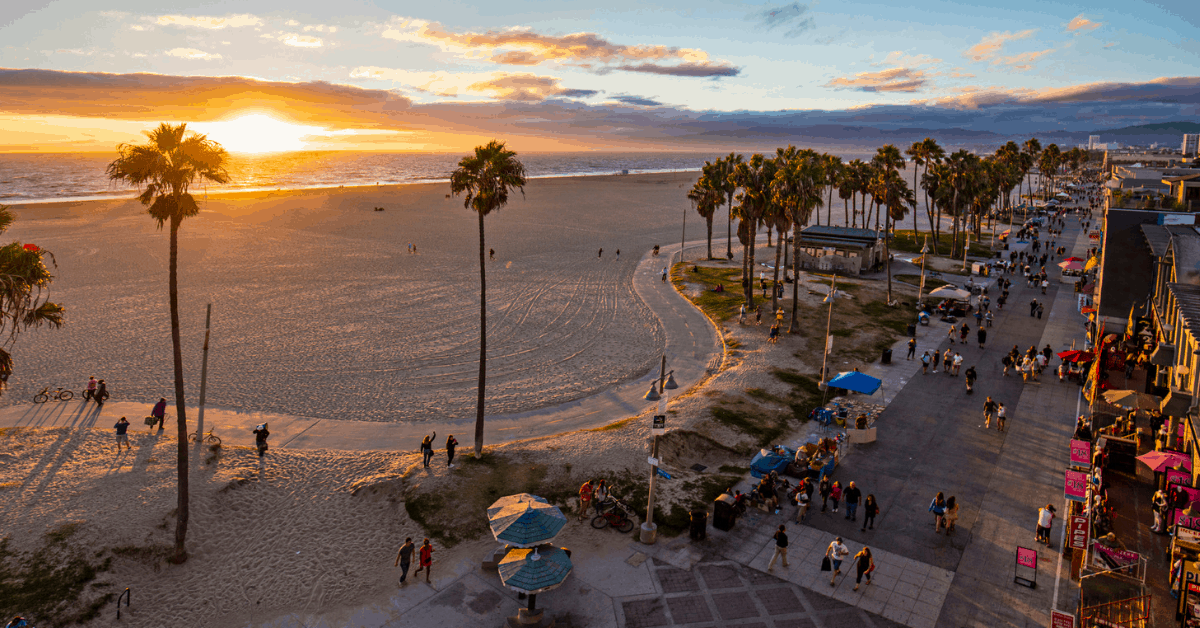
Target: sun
[{"x": 258, "y": 133}]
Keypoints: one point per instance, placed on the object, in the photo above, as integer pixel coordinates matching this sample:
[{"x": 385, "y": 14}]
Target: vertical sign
[
  {"x": 1081, "y": 453},
  {"x": 1076, "y": 486},
  {"x": 1078, "y": 532},
  {"x": 1059, "y": 619},
  {"x": 659, "y": 425},
  {"x": 1027, "y": 557},
  {"x": 1175, "y": 476}
]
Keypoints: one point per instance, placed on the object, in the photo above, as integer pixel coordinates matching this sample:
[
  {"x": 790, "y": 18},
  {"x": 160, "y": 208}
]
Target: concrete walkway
[{"x": 693, "y": 347}]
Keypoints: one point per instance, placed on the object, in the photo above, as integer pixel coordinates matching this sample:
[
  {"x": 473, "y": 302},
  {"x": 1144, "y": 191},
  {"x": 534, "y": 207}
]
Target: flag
[
  {"x": 1131, "y": 325},
  {"x": 1093, "y": 383}
]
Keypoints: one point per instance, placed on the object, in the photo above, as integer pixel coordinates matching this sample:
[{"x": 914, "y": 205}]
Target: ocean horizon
[{"x": 52, "y": 177}]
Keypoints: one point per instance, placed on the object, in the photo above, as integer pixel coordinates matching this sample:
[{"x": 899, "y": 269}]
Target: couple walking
[
  {"x": 864, "y": 562},
  {"x": 427, "y": 450},
  {"x": 404, "y": 559}
]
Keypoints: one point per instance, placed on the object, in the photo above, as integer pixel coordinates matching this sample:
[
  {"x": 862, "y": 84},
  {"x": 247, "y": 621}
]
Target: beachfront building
[
  {"x": 842, "y": 249},
  {"x": 1093, "y": 142},
  {"x": 1191, "y": 144},
  {"x": 1185, "y": 189}
]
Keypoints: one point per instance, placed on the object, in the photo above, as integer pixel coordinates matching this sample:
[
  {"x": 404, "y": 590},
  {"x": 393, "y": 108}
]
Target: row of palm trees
[{"x": 784, "y": 192}]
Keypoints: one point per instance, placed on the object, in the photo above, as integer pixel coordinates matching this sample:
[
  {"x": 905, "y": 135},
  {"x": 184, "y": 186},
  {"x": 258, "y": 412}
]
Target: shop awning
[
  {"x": 1176, "y": 403},
  {"x": 1163, "y": 355}
]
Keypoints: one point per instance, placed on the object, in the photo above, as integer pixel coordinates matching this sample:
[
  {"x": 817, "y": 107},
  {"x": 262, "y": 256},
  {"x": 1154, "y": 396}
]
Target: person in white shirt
[{"x": 836, "y": 553}]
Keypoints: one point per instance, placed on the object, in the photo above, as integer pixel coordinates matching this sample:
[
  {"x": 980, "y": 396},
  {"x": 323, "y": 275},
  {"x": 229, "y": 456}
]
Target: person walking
[
  {"x": 159, "y": 412},
  {"x": 404, "y": 558},
  {"x": 427, "y": 448},
  {"x": 953, "y": 333},
  {"x": 425, "y": 557},
  {"x": 912, "y": 348},
  {"x": 864, "y": 564},
  {"x": 825, "y": 489},
  {"x": 1040, "y": 308},
  {"x": 122, "y": 438},
  {"x": 585, "y": 498},
  {"x": 1044, "y": 522},
  {"x": 989, "y": 410},
  {"x": 958, "y": 360},
  {"x": 1033, "y": 308},
  {"x": 101, "y": 394},
  {"x": 781, "y": 545},
  {"x": 988, "y": 318},
  {"x": 925, "y": 364},
  {"x": 963, "y": 333},
  {"x": 852, "y": 496},
  {"x": 836, "y": 553},
  {"x": 836, "y": 495},
  {"x": 758, "y": 315},
  {"x": 742, "y": 315},
  {"x": 260, "y": 439},
  {"x": 947, "y": 361},
  {"x": 600, "y": 253},
  {"x": 870, "y": 509},
  {"x": 90, "y": 390},
  {"x": 664, "y": 274},
  {"x": 618, "y": 255},
  {"x": 492, "y": 257},
  {"x": 981, "y": 335},
  {"x": 803, "y": 499},
  {"x": 938, "y": 508},
  {"x": 951, "y": 516},
  {"x": 1001, "y": 414},
  {"x": 451, "y": 443}
]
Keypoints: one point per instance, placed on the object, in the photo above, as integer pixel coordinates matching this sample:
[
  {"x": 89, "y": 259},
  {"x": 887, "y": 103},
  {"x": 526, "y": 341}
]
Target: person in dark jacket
[
  {"x": 101, "y": 394},
  {"x": 260, "y": 439},
  {"x": 159, "y": 412},
  {"x": 450, "y": 445},
  {"x": 870, "y": 509}
]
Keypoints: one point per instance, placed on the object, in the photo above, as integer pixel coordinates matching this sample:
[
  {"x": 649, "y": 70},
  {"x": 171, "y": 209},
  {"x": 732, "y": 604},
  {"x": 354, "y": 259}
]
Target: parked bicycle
[
  {"x": 208, "y": 438},
  {"x": 615, "y": 513},
  {"x": 59, "y": 394}
]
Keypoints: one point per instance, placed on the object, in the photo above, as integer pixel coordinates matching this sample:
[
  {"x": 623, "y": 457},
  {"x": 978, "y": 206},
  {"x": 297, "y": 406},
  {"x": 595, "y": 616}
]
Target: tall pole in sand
[
  {"x": 828, "y": 326},
  {"x": 203, "y": 375},
  {"x": 649, "y": 530}
]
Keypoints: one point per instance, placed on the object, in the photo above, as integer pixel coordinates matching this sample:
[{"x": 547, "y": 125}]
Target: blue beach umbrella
[
  {"x": 532, "y": 571},
  {"x": 526, "y": 522},
  {"x": 855, "y": 381}
]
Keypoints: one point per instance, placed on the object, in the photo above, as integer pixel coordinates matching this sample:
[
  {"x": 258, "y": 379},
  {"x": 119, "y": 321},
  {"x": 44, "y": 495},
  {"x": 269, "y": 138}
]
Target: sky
[{"x": 85, "y": 75}]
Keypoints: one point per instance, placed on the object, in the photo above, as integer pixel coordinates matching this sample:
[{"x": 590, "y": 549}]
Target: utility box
[{"x": 723, "y": 512}]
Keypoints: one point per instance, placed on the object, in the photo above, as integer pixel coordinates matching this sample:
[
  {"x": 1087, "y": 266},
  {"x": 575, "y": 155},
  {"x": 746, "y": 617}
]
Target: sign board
[
  {"x": 1059, "y": 619},
  {"x": 659, "y": 426},
  {"x": 653, "y": 461},
  {"x": 1076, "y": 485},
  {"x": 1178, "y": 477},
  {"x": 1027, "y": 561},
  {"x": 1187, "y": 535},
  {"x": 1081, "y": 453},
  {"x": 1111, "y": 558},
  {"x": 1187, "y": 521},
  {"x": 1078, "y": 532}
]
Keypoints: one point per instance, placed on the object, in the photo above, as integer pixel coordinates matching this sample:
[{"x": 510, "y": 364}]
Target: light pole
[
  {"x": 203, "y": 375},
  {"x": 924, "y": 254},
  {"x": 650, "y": 531},
  {"x": 828, "y": 338}
]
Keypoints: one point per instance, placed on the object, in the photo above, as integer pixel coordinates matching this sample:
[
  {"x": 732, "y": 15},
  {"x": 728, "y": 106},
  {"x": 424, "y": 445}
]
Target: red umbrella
[
  {"x": 1159, "y": 460},
  {"x": 1074, "y": 259},
  {"x": 33, "y": 248},
  {"x": 1075, "y": 356}
]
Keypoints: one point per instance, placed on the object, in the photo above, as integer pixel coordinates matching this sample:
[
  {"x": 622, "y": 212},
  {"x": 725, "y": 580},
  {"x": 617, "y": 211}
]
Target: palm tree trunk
[
  {"x": 750, "y": 264},
  {"x": 181, "y": 506},
  {"x": 937, "y": 230},
  {"x": 887, "y": 252},
  {"x": 845, "y": 210},
  {"x": 854, "y": 210},
  {"x": 916, "y": 226},
  {"x": 795, "y": 275},
  {"x": 709, "y": 221},
  {"x": 482, "y": 342},
  {"x": 782, "y": 239},
  {"x": 769, "y": 229},
  {"x": 729, "y": 231}
]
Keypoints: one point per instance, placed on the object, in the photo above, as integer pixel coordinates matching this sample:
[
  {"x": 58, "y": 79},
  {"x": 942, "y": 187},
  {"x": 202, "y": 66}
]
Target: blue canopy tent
[
  {"x": 856, "y": 382},
  {"x": 766, "y": 461}
]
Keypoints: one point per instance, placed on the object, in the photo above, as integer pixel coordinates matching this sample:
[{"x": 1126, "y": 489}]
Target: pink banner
[
  {"x": 1076, "y": 485},
  {"x": 1027, "y": 557},
  {"x": 1179, "y": 477},
  {"x": 1078, "y": 532},
  {"x": 1081, "y": 453},
  {"x": 1112, "y": 558}
]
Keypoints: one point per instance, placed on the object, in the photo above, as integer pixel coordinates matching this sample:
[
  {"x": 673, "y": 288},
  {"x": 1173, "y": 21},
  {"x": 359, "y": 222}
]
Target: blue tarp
[
  {"x": 765, "y": 461},
  {"x": 855, "y": 381}
]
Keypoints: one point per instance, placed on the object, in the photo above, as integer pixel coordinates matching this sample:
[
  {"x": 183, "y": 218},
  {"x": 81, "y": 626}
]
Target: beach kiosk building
[{"x": 843, "y": 249}]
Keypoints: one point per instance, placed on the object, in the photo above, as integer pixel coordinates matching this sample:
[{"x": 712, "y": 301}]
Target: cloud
[
  {"x": 991, "y": 44},
  {"x": 1022, "y": 62},
  {"x": 212, "y": 23},
  {"x": 519, "y": 46},
  {"x": 192, "y": 53},
  {"x": 498, "y": 85},
  {"x": 637, "y": 101},
  {"x": 527, "y": 87},
  {"x": 890, "y": 80},
  {"x": 791, "y": 17},
  {"x": 300, "y": 41},
  {"x": 901, "y": 59},
  {"x": 1176, "y": 90},
  {"x": 1082, "y": 24}
]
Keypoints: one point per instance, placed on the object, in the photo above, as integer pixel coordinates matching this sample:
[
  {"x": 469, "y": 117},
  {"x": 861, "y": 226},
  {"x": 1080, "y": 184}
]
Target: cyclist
[{"x": 91, "y": 389}]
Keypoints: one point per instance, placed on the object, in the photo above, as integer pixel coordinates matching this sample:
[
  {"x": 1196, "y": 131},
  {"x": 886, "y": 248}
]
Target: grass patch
[
  {"x": 910, "y": 242},
  {"x": 802, "y": 384},
  {"x": 55, "y": 584},
  {"x": 733, "y": 469},
  {"x": 931, "y": 283},
  {"x": 721, "y": 306},
  {"x": 764, "y": 429},
  {"x": 762, "y": 395},
  {"x": 615, "y": 425},
  {"x": 843, "y": 286},
  {"x": 896, "y": 319}
]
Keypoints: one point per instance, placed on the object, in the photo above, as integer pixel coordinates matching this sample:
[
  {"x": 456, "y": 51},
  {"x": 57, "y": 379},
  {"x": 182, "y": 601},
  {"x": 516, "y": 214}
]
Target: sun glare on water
[{"x": 258, "y": 133}]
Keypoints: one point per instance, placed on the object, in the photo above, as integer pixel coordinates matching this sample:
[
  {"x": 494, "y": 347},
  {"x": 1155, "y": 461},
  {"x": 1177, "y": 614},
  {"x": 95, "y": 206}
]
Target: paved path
[{"x": 693, "y": 347}]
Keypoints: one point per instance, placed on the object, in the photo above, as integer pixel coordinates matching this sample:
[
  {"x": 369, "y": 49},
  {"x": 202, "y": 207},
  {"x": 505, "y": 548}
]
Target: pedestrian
[
  {"x": 1040, "y": 309},
  {"x": 947, "y": 361},
  {"x": 870, "y": 509},
  {"x": 970, "y": 376},
  {"x": 825, "y": 489},
  {"x": 159, "y": 412},
  {"x": 925, "y": 364},
  {"x": 664, "y": 274},
  {"x": 836, "y": 553},
  {"x": 1045, "y": 284},
  {"x": 426, "y": 560},
  {"x": 404, "y": 558},
  {"x": 1007, "y": 361},
  {"x": 951, "y": 516},
  {"x": 988, "y": 318},
  {"x": 600, "y": 254},
  {"x": 1033, "y": 308},
  {"x": 979, "y": 317},
  {"x": 987, "y": 303},
  {"x": 1044, "y": 522},
  {"x": 912, "y": 348},
  {"x": 963, "y": 333},
  {"x": 864, "y": 564},
  {"x": 618, "y": 255},
  {"x": 938, "y": 508},
  {"x": 958, "y": 360},
  {"x": 758, "y": 315},
  {"x": 989, "y": 410},
  {"x": 101, "y": 394},
  {"x": 1001, "y": 414},
  {"x": 90, "y": 390},
  {"x": 953, "y": 333},
  {"x": 981, "y": 335},
  {"x": 585, "y": 498},
  {"x": 427, "y": 448},
  {"x": 492, "y": 256},
  {"x": 852, "y": 496},
  {"x": 781, "y": 545},
  {"x": 803, "y": 499},
  {"x": 599, "y": 494},
  {"x": 260, "y": 439},
  {"x": 742, "y": 315},
  {"x": 836, "y": 495},
  {"x": 122, "y": 426},
  {"x": 451, "y": 443}
]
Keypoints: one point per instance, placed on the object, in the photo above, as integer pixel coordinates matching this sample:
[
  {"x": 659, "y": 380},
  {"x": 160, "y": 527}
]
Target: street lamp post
[
  {"x": 649, "y": 530},
  {"x": 828, "y": 338},
  {"x": 924, "y": 254}
]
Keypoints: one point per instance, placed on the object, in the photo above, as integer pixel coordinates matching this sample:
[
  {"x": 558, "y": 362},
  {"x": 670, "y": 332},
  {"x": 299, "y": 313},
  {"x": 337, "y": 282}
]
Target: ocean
[{"x": 28, "y": 178}]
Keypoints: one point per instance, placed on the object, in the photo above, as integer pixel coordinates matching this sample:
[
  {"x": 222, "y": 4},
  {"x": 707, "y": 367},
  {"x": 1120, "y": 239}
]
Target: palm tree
[
  {"x": 797, "y": 186},
  {"x": 164, "y": 169},
  {"x": 706, "y": 196},
  {"x": 1048, "y": 164},
  {"x": 832, "y": 165},
  {"x": 728, "y": 187},
  {"x": 754, "y": 178},
  {"x": 24, "y": 293},
  {"x": 1032, "y": 150},
  {"x": 895, "y": 196},
  {"x": 486, "y": 177}
]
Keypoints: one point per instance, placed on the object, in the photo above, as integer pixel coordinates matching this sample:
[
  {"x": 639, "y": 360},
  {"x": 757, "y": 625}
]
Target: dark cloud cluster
[{"x": 792, "y": 18}]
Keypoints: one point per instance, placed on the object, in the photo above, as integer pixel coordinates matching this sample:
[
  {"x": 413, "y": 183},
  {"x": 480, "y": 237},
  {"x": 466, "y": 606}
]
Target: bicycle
[
  {"x": 618, "y": 516},
  {"x": 59, "y": 395},
  {"x": 209, "y": 438}
]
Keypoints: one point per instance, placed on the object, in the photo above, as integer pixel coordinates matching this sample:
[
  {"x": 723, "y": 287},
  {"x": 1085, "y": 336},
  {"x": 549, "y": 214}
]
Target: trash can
[
  {"x": 887, "y": 357},
  {"x": 699, "y": 529},
  {"x": 723, "y": 513},
  {"x": 912, "y": 330}
]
